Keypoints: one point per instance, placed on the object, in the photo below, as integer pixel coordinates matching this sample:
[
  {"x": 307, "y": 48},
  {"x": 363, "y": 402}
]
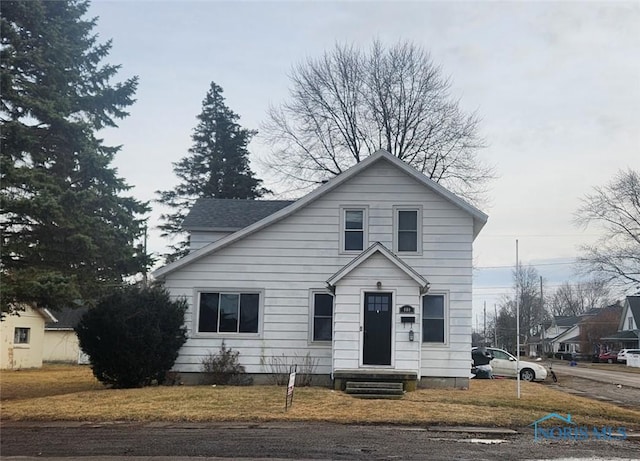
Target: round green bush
[{"x": 133, "y": 335}]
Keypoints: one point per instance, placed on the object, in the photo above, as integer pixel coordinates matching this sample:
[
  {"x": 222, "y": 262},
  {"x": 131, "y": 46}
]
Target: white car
[
  {"x": 504, "y": 364},
  {"x": 622, "y": 355}
]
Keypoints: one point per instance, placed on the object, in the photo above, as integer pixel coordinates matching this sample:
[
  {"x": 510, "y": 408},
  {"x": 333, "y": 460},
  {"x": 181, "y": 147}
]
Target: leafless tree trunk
[
  {"x": 616, "y": 208},
  {"x": 349, "y": 103}
]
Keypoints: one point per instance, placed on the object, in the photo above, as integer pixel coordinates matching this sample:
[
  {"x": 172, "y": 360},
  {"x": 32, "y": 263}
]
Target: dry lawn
[{"x": 72, "y": 394}]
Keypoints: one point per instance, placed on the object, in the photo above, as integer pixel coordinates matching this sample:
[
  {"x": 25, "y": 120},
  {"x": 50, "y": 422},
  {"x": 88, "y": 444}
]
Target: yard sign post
[{"x": 288, "y": 401}]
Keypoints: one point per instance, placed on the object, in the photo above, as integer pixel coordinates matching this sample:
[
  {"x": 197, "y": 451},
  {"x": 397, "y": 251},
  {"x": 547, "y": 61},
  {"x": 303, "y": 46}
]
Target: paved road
[
  {"x": 604, "y": 376},
  {"x": 300, "y": 441}
]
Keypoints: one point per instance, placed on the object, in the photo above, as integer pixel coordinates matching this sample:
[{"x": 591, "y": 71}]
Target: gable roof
[
  {"x": 381, "y": 249},
  {"x": 632, "y": 305},
  {"x": 215, "y": 214},
  {"x": 479, "y": 218}
]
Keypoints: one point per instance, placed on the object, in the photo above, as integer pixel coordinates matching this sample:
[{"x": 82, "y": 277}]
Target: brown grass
[{"x": 72, "y": 394}]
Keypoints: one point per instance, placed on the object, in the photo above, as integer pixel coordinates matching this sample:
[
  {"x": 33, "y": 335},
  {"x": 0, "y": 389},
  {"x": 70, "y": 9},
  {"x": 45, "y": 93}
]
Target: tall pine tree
[
  {"x": 217, "y": 166},
  {"x": 67, "y": 233}
]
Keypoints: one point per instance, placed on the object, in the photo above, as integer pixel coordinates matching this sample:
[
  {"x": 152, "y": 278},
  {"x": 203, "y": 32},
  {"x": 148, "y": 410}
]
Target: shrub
[
  {"x": 133, "y": 335},
  {"x": 278, "y": 369},
  {"x": 224, "y": 367}
]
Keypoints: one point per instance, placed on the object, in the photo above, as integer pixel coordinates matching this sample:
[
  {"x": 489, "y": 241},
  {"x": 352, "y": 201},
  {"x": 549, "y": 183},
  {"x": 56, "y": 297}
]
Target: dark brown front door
[{"x": 377, "y": 329}]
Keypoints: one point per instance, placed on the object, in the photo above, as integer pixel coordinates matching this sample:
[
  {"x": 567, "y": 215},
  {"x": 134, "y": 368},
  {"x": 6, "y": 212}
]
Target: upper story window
[
  {"x": 630, "y": 326},
  {"x": 354, "y": 229},
  {"x": 228, "y": 312},
  {"x": 433, "y": 316},
  {"x": 407, "y": 236},
  {"x": 21, "y": 335},
  {"x": 322, "y": 316}
]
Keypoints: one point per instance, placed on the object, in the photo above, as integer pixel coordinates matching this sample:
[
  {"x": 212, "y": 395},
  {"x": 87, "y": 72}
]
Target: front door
[{"x": 377, "y": 329}]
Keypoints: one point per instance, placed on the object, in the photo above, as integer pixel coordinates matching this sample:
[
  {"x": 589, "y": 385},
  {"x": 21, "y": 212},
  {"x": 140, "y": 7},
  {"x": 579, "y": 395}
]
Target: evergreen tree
[
  {"x": 217, "y": 166},
  {"x": 67, "y": 233}
]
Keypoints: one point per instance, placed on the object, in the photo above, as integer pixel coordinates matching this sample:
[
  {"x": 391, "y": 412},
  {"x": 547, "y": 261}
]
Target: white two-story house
[{"x": 368, "y": 275}]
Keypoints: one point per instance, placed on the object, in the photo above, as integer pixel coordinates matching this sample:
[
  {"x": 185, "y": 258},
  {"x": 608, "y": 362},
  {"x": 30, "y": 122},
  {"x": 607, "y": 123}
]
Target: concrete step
[
  {"x": 378, "y": 396},
  {"x": 374, "y": 385},
  {"x": 374, "y": 390}
]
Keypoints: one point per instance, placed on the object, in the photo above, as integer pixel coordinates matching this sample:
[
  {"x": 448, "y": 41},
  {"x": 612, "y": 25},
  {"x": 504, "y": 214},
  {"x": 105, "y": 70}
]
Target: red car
[{"x": 609, "y": 357}]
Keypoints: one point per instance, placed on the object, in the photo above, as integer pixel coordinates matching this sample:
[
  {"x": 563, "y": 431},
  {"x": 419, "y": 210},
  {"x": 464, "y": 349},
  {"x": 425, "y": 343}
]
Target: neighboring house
[
  {"x": 367, "y": 276},
  {"x": 628, "y": 334},
  {"x": 561, "y": 335},
  {"x": 22, "y": 338},
  {"x": 568, "y": 336},
  {"x": 60, "y": 339}
]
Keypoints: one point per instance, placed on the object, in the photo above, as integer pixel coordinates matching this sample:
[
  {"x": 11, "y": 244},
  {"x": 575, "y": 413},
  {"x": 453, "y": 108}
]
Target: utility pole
[
  {"x": 517, "y": 320},
  {"x": 541, "y": 320},
  {"x": 484, "y": 330},
  {"x": 495, "y": 325}
]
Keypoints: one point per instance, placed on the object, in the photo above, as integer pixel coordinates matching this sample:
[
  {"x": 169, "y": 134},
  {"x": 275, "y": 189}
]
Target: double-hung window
[
  {"x": 322, "y": 316},
  {"x": 408, "y": 235},
  {"x": 354, "y": 233},
  {"x": 433, "y": 316},
  {"x": 227, "y": 312}
]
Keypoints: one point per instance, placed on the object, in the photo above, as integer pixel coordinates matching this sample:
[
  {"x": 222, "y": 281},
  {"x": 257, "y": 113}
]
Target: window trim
[
  {"x": 312, "y": 317},
  {"x": 217, "y": 334},
  {"x": 396, "y": 228},
  {"x": 365, "y": 227},
  {"x": 445, "y": 318}
]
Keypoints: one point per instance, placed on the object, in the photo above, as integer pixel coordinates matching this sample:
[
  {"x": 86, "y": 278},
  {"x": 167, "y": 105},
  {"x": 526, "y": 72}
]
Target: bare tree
[
  {"x": 349, "y": 103},
  {"x": 526, "y": 282},
  {"x": 616, "y": 207},
  {"x": 578, "y": 298}
]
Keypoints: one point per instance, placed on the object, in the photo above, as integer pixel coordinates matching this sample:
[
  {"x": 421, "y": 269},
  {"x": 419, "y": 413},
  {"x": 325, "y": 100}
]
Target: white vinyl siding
[{"x": 284, "y": 260}]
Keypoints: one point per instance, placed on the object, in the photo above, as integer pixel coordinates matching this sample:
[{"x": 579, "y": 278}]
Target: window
[
  {"x": 433, "y": 319},
  {"x": 407, "y": 223},
  {"x": 21, "y": 335},
  {"x": 322, "y": 316},
  {"x": 630, "y": 326},
  {"x": 353, "y": 230},
  {"x": 228, "y": 313}
]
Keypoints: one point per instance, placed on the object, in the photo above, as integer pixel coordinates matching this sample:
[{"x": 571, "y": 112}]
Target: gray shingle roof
[
  {"x": 566, "y": 320},
  {"x": 229, "y": 214},
  {"x": 68, "y": 318}
]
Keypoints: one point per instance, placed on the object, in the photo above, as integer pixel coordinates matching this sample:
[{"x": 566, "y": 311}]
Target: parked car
[
  {"x": 608, "y": 357},
  {"x": 622, "y": 355},
  {"x": 504, "y": 364}
]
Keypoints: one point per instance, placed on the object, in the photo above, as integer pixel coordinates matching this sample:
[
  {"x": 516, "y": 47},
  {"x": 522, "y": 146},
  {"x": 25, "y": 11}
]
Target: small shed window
[{"x": 21, "y": 335}]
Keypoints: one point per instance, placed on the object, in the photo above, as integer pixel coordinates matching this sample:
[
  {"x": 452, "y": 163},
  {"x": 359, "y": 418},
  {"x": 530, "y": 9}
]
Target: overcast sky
[{"x": 557, "y": 86}]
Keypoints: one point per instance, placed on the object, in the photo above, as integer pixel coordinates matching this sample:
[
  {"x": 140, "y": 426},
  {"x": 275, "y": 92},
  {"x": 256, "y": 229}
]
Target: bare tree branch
[
  {"x": 616, "y": 207},
  {"x": 349, "y": 103}
]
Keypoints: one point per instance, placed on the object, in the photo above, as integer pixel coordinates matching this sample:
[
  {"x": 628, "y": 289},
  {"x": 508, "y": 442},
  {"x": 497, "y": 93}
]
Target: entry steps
[{"x": 374, "y": 390}]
